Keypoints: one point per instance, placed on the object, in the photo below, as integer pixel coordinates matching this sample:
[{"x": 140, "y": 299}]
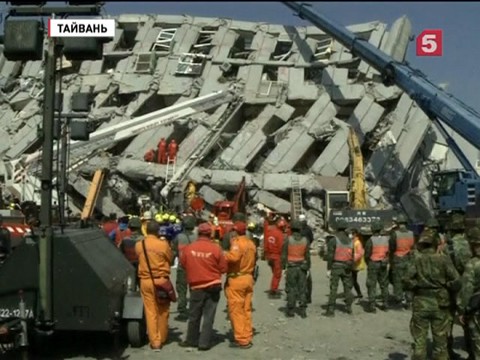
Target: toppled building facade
[{"x": 297, "y": 92}]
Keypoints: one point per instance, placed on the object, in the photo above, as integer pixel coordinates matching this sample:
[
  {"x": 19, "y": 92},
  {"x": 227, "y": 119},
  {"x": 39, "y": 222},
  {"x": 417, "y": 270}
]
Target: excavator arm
[
  {"x": 358, "y": 192},
  {"x": 239, "y": 201},
  {"x": 93, "y": 192}
]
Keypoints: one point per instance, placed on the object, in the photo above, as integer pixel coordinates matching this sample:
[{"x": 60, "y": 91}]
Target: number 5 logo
[{"x": 430, "y": 43}]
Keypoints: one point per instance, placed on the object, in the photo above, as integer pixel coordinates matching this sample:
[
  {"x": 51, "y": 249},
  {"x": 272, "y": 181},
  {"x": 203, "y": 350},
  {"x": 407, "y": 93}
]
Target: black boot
[
  {"x": 290, "y": 313},
  {"x": 371, "y": 308},
  {"x": 330, "y": 312},
  {"x": 303, "y": 313}
]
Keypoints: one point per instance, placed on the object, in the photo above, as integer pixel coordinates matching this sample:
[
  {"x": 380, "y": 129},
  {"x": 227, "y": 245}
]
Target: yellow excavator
[{"x": 358, "y": 213}]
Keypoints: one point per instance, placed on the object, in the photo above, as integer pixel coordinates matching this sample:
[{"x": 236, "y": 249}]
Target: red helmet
[
  {"x": 204, "y": 229},
  {"x": 240, "y": 227},
  {"x": 281, "y": 224}
]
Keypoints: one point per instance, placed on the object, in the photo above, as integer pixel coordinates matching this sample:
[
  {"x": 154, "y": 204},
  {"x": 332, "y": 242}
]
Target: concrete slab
[
  {"x": 188, "y": 146},
  {"x": 228, "y": 180},
  {"x": 398, "y": 39},
  {"x": 270, "y": 200},
  {"x": 210, "y": 195},
  {"x": 298, "y": 89},
  {"x": 346, "y": 94},
  {"x": 290, "y": 150},
  {"x": 375, "y": 39},
  {"x": 334, "y": 76},
  {"x": 24, "y": 138},
  {"x": 252, "y": 137}
]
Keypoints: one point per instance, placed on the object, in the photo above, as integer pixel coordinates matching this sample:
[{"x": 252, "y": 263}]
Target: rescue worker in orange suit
[
  {"x": 150, "y": 156},
  {"x": 204, "y": 264},
  {"x": 120, "y": 232},
  {"x": 376, "y": 256},
  {"x": 160, "y": 257},
  {"x": 401, "y": 245},
  {"x": 172, "y": 150},
  {"x": 296, "y": 261},
  {"x": 162, "y": 151},
  {"x": 273, "y": 244},
  {"x": 241, "y": 259}
]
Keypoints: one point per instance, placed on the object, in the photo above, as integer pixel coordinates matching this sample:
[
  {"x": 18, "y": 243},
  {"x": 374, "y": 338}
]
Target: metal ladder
[
  {"x": 210, "y": 139},
  {"x": 296, "y": 199},
  {"x": 170, "y": 169}
]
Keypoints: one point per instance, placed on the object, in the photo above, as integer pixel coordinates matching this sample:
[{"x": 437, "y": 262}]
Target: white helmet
[
  {"x": 302, "y": 217},
  {"x": 147, "y": 215}
]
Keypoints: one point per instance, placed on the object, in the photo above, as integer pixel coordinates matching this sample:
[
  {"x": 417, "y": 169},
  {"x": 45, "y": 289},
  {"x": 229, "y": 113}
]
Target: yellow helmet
[
  {"x": 165, "y": 217},
  {"x": 251, "y": 225},
  {"x": 158, "y": 217},
  {"x": 178, "y": 221},
  {"x": 172, "y": 218}
]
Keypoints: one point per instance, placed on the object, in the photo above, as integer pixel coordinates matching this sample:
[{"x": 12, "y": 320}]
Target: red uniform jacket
[
  {"x": 273, "y": 243},
  {"x": 204, "y": 263},
  {"x": 109, "y": 226}
]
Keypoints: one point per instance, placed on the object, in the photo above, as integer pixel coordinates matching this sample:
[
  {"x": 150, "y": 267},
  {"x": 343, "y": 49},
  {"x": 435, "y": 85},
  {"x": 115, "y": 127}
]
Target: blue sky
[{"x": 459, "y": 66}]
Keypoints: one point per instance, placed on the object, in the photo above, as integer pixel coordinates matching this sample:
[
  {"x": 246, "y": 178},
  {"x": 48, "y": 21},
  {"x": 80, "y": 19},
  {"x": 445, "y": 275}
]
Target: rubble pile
[{"x": 293, "y": 94}]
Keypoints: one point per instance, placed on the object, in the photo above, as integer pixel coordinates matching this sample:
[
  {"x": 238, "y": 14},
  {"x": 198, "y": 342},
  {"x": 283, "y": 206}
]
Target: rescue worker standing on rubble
[
  {"x": 185, "y": 238},
  {"x": 241, "y": 259},
  {"x": 154, "y": 271},
  {"x": 468, "y": 299},
  {"x": 296, "y": 261},
  {"x": 273, "y": 245},
  {"x": 430, "y": 277},
  {"x": 204, "y": 264},
  {"x": 458, "y": 249},
  {"x": 162, "y": 151},
  {"x": 340, "y": 259},
  {"x": 376, "y": 256},
  {"x": 401, "y": 245}
]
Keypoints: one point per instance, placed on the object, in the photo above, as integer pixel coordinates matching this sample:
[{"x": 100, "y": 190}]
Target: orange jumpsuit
[
  {"x": 156, "y": 312},
  {"x": 239, "y": 290},
  {"x": 162, "y": 152}
]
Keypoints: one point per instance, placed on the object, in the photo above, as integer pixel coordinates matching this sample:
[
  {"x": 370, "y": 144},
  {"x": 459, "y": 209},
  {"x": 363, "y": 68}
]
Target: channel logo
[{"x": 430, "y": 43}]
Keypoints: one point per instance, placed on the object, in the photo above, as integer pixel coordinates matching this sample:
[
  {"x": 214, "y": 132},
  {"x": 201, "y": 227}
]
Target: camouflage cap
[
  {"x": 401, "y": 219},
  {"x": 296, "y": 225},
  {"x": 427, "y": 237},
  {"x": 473, "y": 235},
  {"x": 377, "y": 226},
  {"x": 457, "y": 222},
  {"x": 432, "y": 223}
]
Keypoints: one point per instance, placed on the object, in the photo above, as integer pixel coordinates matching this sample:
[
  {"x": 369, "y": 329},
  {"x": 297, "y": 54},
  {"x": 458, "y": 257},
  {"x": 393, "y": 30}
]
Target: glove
[{"x": 328, "y": 274}]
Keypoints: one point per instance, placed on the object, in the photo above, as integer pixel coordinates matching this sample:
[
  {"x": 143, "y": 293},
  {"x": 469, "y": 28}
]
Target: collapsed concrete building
[{"x": 288, "y": 96}]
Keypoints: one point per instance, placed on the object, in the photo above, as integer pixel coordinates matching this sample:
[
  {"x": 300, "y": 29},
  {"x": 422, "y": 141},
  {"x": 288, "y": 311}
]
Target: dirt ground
[{"x": 345, "y": 337}]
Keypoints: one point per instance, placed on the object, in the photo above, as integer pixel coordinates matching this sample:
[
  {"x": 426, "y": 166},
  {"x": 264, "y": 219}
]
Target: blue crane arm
[{"x": 435, "y": 102}]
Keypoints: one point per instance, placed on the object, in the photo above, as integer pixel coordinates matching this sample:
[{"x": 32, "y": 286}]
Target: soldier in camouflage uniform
[
  {"x": 296, "y": 261},
  {"x": 340, "y": 260},
  {"x": 376, "y": 256},
  {"x": 401, "y": 244},
  {"x": 430, "y": 276},
  {"x": 458, "y": 249},
  {"x": 187, "y": 236},
  {"x": 470, "y": 287}
]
